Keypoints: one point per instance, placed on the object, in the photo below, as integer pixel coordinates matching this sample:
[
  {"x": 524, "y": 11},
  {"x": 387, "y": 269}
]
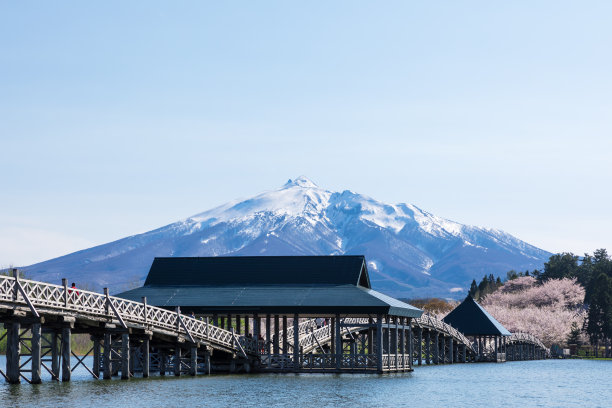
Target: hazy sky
[{"x": 120, "y": 117}]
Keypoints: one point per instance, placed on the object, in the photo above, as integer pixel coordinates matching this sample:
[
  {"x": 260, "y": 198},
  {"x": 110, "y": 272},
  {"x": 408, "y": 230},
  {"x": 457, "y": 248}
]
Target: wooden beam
[
  {"x": 36, "y": 353},
  {"x": 66, "y": 371}
]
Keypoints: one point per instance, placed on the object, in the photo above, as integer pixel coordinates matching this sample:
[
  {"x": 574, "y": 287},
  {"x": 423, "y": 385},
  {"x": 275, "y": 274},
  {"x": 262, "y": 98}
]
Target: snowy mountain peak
[
  {"x": 301, "y": 181},
  {"x": 412, "y": 253}
]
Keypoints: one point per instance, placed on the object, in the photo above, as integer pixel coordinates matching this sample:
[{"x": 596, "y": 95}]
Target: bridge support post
[
  {"x": 36, "y": 353},
  {"x": 464, "y": 347},
  {"x": 125, "y": 356},
  {"x": 338, "y": 348},
  {"x": 268, "y": 339},
  {"x": 428, "y": 348},
  {"x": 108, "y": 371},
  {"x": 370, "y": 336},
  {"x": 420, "y": 345},
  {"x": 404, "y": 348},
  {"x": 13, "y": 352},
  {"x": 162, "y": 362},
  {"x": 207, "y": 361},
  {"x": 96, "y": 355},
  {"x": 55, "y": 366},
  {"x": 193, "y": 360},
  {"x": 410, "y": 344},
  {"x": 276, "y": 334},
  {"x": 437, "y": 349},
  {"x": 379, "y": 344},
  {"x": 451, "y": 358},
  {"x": 285, "y": 343},
  {"x": 394, "y": 339},
  {"x": 257, "y": 332},
  {"x": 177, "y": 361},
  {"x": 296, "y": 342},
  {"x": 66, "y": 369},
  {"x": 146, "y": 358}
]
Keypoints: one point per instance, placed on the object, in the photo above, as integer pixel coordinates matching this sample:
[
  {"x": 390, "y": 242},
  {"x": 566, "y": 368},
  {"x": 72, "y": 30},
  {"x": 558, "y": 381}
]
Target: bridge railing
[
  {"x": 431, "y": 322},
  {"x": 65, "y": 300},
  {"x": 525, "y": 338}
]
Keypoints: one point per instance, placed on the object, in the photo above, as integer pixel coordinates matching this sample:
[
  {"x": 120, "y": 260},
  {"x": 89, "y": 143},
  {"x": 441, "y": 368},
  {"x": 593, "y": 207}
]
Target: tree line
[{"x": 593, "y": 272}]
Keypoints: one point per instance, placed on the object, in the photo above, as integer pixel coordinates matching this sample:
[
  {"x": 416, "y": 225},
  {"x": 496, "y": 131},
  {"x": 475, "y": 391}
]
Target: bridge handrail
[
  {"x": 525, "y": 337},
  {"x": 427, "y": 320},
  {"x": 72, "y": 300}
]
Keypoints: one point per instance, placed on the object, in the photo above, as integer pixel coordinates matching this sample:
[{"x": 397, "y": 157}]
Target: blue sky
[{"x": 119, "y": 118}]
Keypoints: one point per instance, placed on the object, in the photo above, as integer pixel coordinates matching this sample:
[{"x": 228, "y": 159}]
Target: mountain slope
[{"x": 411, "y": 252}]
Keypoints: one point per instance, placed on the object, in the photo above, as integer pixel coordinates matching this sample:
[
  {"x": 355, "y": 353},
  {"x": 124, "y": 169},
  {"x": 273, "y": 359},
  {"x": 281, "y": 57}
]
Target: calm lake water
[{"x": 548, "y": 383}]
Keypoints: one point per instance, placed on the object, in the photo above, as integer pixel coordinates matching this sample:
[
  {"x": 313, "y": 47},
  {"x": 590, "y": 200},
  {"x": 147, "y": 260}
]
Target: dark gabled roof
[
  {"x": 473, "y": 320},
  {"x": 259, "y": 270},
  {"x": 284, "y": 299},
  {"x": 268, "y": 284}
]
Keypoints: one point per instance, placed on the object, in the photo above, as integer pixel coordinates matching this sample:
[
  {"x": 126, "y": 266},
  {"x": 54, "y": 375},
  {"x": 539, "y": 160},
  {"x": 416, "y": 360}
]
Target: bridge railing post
[
  {"x": 15, "y": 273},
  {"x": 65, "y": 285},
  {"x": 107, "y": 303},
  {"x": 144, "y": 308}
]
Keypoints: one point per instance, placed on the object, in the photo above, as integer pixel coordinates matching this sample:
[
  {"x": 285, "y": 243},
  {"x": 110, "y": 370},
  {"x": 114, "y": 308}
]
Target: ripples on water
[{"x": 549, "y": 383}]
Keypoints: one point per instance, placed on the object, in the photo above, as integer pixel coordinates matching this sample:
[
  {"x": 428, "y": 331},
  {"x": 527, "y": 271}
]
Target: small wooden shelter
[
  {"x": 474, "y": 321},
  {"x": 313, "y": 313}
]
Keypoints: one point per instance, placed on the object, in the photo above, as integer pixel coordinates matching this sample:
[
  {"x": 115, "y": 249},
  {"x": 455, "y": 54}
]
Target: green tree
[
  {"x": 560, "y": 266},
  {"x": 600, "y": 310},
  {"x": 574, "y": 335},
  {"x": 474, "y": 289}
]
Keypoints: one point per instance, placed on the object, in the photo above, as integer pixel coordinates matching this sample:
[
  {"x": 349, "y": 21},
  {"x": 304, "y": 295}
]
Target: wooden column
[
  {"x": 146, "y": 358},
  {"x": 66, "y": 370},
  {"x": 96, "y": 355},
  {"x": 35, "y": 344},
  {"x": 247, "y": 326},
  {"x": 177, "y": 361},
  {"x": 296, "y": 342},
  {"x": 55, "y": 365},
  {"x": 395, "y": 338},
  {"x": 285, "y": 345},
  {"x": 379, "y": 344},
  {"x": 436, "y": 358},
  {"x": 451, "y": 355},
  {"x": 125, "y": 356},
  {"x": 420, "y": 345},
  {"x": 108, "y": 373},
  {"x": 257, "y": 332},
  {"x": 193, "y": 361},
  {"x": 370, "y": 338},
  {"x": 428, "y": 348},
  {"x": 276, "y": 334},
  {"x": 238, "y": 325},
  {"x": 13, "y": 352},
  {"x": 332, "y": 344},
  {"x": 410, "y": 343},
  {"x": 207, "y": 361},
  {"x": 338, "y": 343},
  {"x": 162, "y": 362},
  {"x": 268, "y": 334},
  {"x": 402, "y": 342}
]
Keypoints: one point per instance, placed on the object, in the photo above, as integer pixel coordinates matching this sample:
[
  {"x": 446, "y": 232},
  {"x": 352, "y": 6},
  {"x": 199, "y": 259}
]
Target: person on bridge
[{"x": 73, "y": 286}]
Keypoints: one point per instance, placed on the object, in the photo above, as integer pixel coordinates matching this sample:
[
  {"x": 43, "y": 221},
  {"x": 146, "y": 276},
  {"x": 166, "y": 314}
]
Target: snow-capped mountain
[{"x": 411, "y": 253}]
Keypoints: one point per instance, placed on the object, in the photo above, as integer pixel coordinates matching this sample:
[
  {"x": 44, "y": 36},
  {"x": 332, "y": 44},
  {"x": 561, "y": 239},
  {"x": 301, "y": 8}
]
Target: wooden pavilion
[
  {"x": 309, "y": 313},
  {"x": 488, "y": 334}
]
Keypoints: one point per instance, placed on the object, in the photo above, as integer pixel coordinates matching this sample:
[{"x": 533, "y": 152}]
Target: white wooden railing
[
  {"x": 429, "y": 322},
  {"x": 62, "y": 300}
]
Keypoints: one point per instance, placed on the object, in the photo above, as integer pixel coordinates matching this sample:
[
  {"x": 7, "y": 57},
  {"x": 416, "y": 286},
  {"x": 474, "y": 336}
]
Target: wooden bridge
[{"x": 132, "y": 338}]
